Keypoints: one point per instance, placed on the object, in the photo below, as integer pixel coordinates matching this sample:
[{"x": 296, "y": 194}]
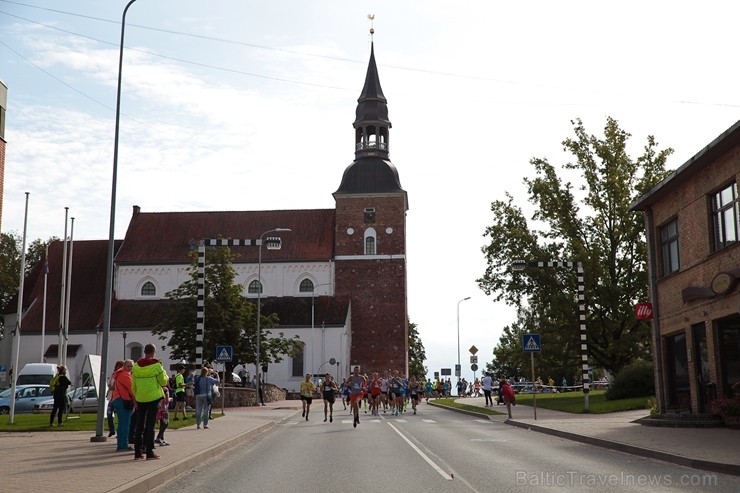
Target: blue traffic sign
[
  {"x": 531, "y": 343},
  {"x": 224, "y": 353}
]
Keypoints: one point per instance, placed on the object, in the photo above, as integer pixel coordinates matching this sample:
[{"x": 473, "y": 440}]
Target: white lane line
[
  {"x": 428, "y": 421},
  {"x": 422, "y": 454},
  {"x": 485, "y": 421}
]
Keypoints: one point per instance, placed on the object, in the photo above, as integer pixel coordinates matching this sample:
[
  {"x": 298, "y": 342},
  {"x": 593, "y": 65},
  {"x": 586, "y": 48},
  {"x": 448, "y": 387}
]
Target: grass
[
  {"x": 572, "y": 402},
  {"x": 457, "y": 404},
  {"x": 85, "y": 422}
]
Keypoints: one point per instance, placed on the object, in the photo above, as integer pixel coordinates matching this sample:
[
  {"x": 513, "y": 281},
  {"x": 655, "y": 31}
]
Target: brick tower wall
[{"x": 376, "y": 286}]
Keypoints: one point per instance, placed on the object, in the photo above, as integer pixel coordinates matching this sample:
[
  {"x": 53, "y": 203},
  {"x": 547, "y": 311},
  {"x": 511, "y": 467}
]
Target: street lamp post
[
  {"x": 124, "y": 334},
  {"x": 99, "y": 436},
  {"x": 313, "y": 298},
  {"x": 273, "y": 244},
  {"x": 519, "y": 265},
  {"x": 458, "y": 337}
]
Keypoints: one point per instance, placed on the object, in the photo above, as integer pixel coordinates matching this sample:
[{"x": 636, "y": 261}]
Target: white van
[{"x": 36, "y": 373}]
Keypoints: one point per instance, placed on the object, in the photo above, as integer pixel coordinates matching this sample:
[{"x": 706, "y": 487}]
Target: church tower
[{"x": 370, "y": 239}]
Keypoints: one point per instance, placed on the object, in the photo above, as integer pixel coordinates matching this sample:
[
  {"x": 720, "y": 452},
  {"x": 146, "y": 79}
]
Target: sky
[{"x": 247, "y": 105}]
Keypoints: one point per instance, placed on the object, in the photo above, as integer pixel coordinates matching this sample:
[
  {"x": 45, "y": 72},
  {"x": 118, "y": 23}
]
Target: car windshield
[{"x": 6, "y": 393}]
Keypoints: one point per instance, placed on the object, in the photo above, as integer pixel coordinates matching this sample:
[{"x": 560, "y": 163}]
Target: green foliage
[
  {"x": 10, "y": 265},
  {"x": 230, "y": 318},
  {"x": 593, "y": 225},
  {"x": 417, "y": 355},
  {"x": 636, "y": 380},
  {"x": 572, "y": 402}
]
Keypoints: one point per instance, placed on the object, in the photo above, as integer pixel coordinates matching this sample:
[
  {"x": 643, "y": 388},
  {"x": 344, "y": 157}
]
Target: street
[{"x": 436, "y": 450}]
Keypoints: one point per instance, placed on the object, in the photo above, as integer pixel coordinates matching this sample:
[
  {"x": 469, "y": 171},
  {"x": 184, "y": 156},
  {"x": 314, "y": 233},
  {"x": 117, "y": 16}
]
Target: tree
[
  {"x": 417, "y": 356},
  {"x": 230, "y": 317},
  {"x": 10, "y": 265},
  {"x": 598, "y": 230}
]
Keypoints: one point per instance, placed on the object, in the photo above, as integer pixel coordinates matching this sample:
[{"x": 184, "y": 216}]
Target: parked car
[
  {"x": 45, "y": 406},
  {"x": 81, "y": 399},
  {"x": 26, "y": 396}
]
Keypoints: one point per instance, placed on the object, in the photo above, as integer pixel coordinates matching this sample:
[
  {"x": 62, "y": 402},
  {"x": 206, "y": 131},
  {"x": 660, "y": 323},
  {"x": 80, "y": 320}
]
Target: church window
[
  {"x": 255, "y": 287},
  {"x": 148, "y": 289},
  {"x": 306, "y": 286},
  {"x": 370, "y": 241},
  {"x": 369, "y": 215}
]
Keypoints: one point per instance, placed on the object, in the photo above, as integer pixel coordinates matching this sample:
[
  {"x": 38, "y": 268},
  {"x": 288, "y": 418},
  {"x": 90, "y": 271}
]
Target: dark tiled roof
[
  {"x": 296, "y": 311},
  {"x": 87, "y": 289},
  {"x": 53, "y": 350},
  {"x": 166, "y": 237}
]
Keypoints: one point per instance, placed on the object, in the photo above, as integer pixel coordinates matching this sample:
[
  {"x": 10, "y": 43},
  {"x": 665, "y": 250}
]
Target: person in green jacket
[{"x": 148, "y": 378}]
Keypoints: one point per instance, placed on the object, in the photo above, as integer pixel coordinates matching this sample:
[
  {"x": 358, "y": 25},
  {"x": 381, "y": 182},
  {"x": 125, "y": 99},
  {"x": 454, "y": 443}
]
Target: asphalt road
[{"x": 434, "y": 451}]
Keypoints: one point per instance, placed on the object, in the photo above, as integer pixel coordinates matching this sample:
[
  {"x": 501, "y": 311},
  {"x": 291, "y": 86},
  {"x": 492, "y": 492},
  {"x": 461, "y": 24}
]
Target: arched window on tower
[
  {"x": 306, "y": 286},
  {"x": 370, "y": 242},
  {"x": 255, "y": 287}
]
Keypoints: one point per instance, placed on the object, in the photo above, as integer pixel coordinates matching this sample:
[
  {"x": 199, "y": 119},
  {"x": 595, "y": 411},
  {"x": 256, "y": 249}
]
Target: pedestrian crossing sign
[
  {"x": 531, "y": 343},
  {"x": 224, "y": 353}
]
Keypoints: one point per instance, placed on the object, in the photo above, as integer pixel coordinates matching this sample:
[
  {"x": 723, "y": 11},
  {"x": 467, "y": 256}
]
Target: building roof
[
  {"x": 167, "y": 237},
  {"x": 87, "y": 289},
  {"x": 729, "y": 139}
]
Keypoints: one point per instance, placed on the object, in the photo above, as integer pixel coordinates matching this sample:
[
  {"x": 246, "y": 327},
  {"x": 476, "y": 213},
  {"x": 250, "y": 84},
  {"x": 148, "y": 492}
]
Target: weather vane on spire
[{"x": 372, "y": 29}]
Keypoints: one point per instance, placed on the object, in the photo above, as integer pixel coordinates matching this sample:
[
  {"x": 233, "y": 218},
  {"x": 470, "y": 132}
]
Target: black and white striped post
[
  {"x": 201, "y": 294},
  {"x": 519, "y": 265}
]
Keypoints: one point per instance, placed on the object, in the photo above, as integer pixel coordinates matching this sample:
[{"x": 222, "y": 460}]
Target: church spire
[{"x": 371, "y": 118}]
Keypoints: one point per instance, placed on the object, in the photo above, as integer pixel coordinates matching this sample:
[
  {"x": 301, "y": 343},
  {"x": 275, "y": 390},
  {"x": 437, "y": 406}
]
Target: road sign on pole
[
  {"x": 224, "y": 353},
  {"x": 531, "y": 343}
]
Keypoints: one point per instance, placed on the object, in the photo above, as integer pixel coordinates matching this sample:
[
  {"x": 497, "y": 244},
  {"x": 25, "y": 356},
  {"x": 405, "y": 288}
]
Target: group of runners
[{"x": 374, "y": 392}]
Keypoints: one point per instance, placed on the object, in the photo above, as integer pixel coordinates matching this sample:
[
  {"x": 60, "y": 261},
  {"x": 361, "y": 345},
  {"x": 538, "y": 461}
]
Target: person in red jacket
[{"x": 509, "y": 395}]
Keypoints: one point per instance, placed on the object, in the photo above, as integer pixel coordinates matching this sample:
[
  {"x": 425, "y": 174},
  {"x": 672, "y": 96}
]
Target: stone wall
[{"x": 242, "y": 397}]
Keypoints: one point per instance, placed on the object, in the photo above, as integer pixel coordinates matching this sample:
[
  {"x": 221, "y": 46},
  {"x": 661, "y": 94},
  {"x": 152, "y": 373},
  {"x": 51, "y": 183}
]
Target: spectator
[
  {"x": 509, "y": 395},
  {"x": 148, "y": 379},
  {"x": 122, "y": 392},
  {"x": 109, "y": 396},
  {"x": 163, "y": 416},
  {"x": 58, "y": 386},
  {"x": 203, "y": 388},
  {"x": 487, "y": 384}
]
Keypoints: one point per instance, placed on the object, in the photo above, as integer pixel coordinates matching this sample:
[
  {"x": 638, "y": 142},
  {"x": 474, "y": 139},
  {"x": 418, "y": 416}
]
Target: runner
[
  {"x": 330, "y": 389},
  {"x": 375, "y": 387},
  {"x": 357, "y": 382},
  {"x": 345, "y": 393},
  {"x": 396, "y": 384},
  {"x": 384, "y": 391},
  {"x": 414, "y": 390},
  {"x": 307, "y": 391}
]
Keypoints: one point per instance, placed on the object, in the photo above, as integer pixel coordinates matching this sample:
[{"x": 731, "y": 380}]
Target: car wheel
[{"x": 4, "y": 410}]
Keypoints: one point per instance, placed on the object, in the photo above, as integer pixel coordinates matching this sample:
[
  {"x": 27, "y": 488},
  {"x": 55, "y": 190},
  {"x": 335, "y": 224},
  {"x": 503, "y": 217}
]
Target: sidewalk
[
  {"x": 711, "y": 449},
  {"x": 38, "y": 460}
]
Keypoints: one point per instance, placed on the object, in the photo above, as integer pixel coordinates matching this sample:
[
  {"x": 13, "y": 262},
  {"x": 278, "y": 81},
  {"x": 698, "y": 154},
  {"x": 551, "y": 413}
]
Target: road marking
[
  {"x": 486, "y": 421},
  {"x": 487, "y": 440},
  {"x": 428, "y": 421},
  {"x": 422, "y": 454}
]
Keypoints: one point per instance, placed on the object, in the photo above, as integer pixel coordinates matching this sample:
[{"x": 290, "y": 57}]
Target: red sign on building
[{"x": 644, "y": 311}]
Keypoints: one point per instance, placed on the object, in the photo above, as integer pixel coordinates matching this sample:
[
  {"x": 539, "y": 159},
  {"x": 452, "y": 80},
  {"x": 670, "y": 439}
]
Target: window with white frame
[
  {"x": 725, "y": 217},
  {"x": 370, "y": 242}
]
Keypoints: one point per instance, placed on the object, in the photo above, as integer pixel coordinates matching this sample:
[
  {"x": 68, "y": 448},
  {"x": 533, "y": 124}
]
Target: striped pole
[
  {"x": 578, "y": 267},
  {"x": 201, "y": 295}
]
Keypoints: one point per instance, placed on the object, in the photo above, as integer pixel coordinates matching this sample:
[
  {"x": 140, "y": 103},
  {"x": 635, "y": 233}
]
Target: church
[{"x": 338, "y": 282}]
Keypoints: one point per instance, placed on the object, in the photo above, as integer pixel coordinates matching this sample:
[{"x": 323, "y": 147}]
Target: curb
[
  {"x": 465, "y": 411},
  {"x": 157, "y": 478},
  {"x": 719, "y": 467}
]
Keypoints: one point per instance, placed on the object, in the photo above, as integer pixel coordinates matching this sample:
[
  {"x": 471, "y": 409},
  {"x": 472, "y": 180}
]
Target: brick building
[
  {"x": 338, "y": 282},
  {"x": 692, "y": 220}
]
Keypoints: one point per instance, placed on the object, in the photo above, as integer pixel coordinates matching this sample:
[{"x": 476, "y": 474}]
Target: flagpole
[
  {"x": 43, "y": 309},
  {"x": 19, "y": 316},
  {"x": 68, "y": 297},
  {"x": 60, "y": 361}
]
